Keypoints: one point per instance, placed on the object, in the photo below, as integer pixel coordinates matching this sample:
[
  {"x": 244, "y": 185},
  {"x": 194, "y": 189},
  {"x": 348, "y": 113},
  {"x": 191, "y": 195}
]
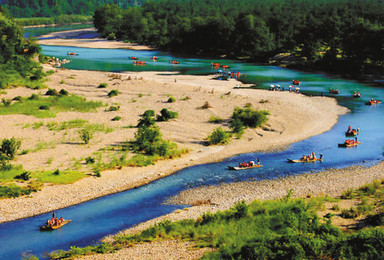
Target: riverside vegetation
[{"x": 277, "y": 229}]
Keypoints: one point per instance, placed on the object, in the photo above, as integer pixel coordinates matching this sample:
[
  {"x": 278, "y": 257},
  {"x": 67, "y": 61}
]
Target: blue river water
[{"x": 94, "y": 219}]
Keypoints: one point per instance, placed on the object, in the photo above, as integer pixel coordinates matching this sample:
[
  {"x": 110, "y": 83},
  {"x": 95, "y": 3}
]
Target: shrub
[
  {"x": 116, "y": 118},
  {"x": 85, "y": 135},
  {"x": 9, "y": 148},
  {"x": 103, "y": 85},
  {"x": 111, "y": 36},
  {"x": 113, "y": 108},
  {"x": 44, "y": 107},
  {"x": 23, "y": 176},
  {"x": 113, "y": 92},
  {"x": 147, "y": 119},
  {"x": 6, "y": 101},
  {"x": 63, "y": 92},
  {"x": 62, "y": 81},
  {"x": 237, "y": 127},
  {"x": 34, "y": 97},
  {"x": 17, "y": 98},
  {"x": 89, "y": 160},
  {"x": 218, "y": 136},
  {"x": 215, "y": 119},
  {"x": 166, "y": 114},
  {"x": 149, "y": 112},
  {"x": 51, "y": 92},
  {"x": 171, "y": 100},
  {"x": 250, "y": 117}
]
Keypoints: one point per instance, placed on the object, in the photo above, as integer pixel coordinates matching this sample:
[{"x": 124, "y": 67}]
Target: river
[{"x": 94, "y": 219}]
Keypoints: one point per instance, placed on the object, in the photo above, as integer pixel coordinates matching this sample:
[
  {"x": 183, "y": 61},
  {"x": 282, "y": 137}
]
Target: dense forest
[
  {"x": 17, "y": 54},
  {"x": 327, "y": 33},
  {"x": 48, "y": 8}
]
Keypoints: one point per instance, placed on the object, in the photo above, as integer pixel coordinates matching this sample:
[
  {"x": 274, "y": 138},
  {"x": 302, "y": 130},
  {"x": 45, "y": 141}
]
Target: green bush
[
  {"x": 103, "y": 85},
  {"x": 24, "y": 176},
  {"x": 147, "y": 119},
  {"x": 218, "y": 136},
  {"x": 171, "y": 100},
  {"x": 116, "y": 118},
  {"x": 113, "y": 108},
  {"x": 64, "y": 92},
  {"x": 89, "y": 160},
  {"x": 51, "y": 92},
  {"x": 113, "y": 93},
  {"x": 111, "y": 36},
  {"x": 85, "y": 135},
  {"x": 44, "y": 107},
  {"x": 9, "y": 147},
  {"x": 166, "y": 114},
  {"x": 250, "y": 117},
  {"x": 215, "y": 119}
]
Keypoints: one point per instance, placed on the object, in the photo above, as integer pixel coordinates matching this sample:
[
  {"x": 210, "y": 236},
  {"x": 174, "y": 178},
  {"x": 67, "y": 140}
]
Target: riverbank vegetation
[
  {"x": 344, "y": 36},
  {"x": 285, "y": 229},
  {"x": 19, "y": 64}
]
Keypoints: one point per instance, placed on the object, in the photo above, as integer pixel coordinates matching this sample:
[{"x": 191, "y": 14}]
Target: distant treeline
[
  {"x": 49, "y": 8},
  {"x": 331, "y": 32},
  {"x": 58, "y": 20}
]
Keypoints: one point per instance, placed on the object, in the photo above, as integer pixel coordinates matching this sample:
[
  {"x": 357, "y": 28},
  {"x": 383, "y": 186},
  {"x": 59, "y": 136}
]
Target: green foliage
[
  {"x": 215, "y": 119},
  {"x": 9, "y": 147},
  {"x": 218, "y": 136},
  {"x": 36, "y": 105},
  {"x": 103, "y": 85},
  {"x": 248, "y": 117},
  {"x": 113, "y": 93},
  {"x": 147, "y": 119},
  {"x": 58, "y": 177},
  {"x": 166, "y": 114},
  {"x": 24, "y": 176},
  {"x": 52, "y": 92},
  {"x": 171, "y": 100},
  {"x": 111, "y": 36},
  {"x": 116, "y": 118},
  {"x": 63, "y": 92},
  {"x": 85, "y": 135},
  {"x": 90, "y": 160}
]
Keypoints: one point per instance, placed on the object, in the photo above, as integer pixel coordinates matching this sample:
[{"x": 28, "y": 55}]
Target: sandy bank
[
  {"x": 139, "y": 92},
  {"x": 98, "y": 43}
]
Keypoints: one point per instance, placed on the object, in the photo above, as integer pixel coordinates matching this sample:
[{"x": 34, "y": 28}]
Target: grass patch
[
  {"x": 31, "y": 106},
  {"x": 61, "y": 177}
]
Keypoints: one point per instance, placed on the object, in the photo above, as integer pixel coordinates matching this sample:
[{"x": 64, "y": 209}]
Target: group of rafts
[{"x": 312, "y": 157}]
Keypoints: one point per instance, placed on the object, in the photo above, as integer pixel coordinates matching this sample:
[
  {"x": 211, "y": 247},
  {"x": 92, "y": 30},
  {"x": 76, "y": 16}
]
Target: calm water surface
[{"x": 94, "y": 219}]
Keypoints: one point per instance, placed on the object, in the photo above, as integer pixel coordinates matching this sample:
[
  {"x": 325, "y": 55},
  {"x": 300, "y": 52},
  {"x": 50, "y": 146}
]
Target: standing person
[{"x": 53, "y": 215}]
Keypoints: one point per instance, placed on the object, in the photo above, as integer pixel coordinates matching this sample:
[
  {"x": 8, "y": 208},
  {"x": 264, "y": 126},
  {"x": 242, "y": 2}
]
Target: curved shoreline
[{"x": 280, "y": 132}]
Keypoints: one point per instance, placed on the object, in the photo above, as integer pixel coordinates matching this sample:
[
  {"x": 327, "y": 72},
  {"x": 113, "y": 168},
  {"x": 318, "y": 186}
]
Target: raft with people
[
  {"x": 350, "y": 143},
  {"x": 54, "y": 223},
  {"x": 305, "y": 159},
  {"x": 72, "y": 53},
  {"x": 333, "y": 91},
  {"x": 352, "y": 132},
  {"x": 244, "y": 165},
  {"x": 373, "y": 102},
  {"x": 296, "y": 82},
  {"x": 356, "y": 94}
]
